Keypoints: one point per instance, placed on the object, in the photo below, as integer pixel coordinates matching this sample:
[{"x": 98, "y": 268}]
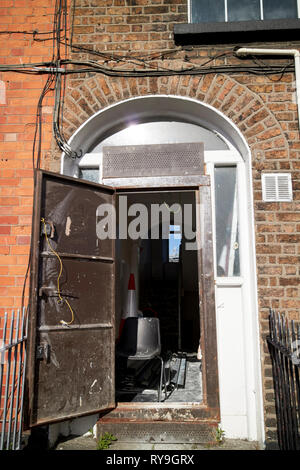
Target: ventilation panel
[
  {"x": 153, "y": 160},
  {"x": 277, "y": 187}
]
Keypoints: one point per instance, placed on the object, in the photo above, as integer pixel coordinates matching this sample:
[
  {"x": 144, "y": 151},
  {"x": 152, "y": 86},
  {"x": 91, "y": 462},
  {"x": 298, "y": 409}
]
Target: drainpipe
[{"x": 243, "y": 51}]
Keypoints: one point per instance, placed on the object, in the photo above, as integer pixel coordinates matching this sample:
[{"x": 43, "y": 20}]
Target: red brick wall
[
  {"x": 263, "y": 107},
  {"x": 127, "y": 25},
  {"x": 18, "y": 107}
]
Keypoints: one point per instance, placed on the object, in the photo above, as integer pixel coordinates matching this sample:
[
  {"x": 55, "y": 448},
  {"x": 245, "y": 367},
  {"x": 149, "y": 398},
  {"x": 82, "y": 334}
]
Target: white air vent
[{"x": 277, "y": 187}]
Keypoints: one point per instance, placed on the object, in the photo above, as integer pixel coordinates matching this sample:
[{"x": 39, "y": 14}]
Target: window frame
[
  {"x": 219, "y": 159},
  {"x": 236, "y": 215},
  {"x": 226, "y": 12}
]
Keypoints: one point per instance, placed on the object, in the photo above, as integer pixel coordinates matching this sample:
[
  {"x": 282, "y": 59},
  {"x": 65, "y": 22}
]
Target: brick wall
[
  {"x": 137, "y": 26},
  {"x": 263, "y": 107},
  {"x": 138, "y": 34},
  {"x": 18, "y": 107}
]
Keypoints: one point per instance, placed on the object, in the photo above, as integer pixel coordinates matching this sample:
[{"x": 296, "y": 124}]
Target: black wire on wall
[
  {"x": 52, "y": 81},
  {"x": 57, "y": 70}
]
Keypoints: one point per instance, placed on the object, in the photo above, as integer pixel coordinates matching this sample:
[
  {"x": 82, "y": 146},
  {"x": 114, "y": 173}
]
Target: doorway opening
[
  {"x": 95, "y": 269},
  {"x": 157, "y": 280}
]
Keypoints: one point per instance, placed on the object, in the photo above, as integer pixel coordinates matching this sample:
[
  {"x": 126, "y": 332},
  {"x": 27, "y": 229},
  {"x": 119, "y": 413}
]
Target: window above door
[
  {"x": 144, "y": 134},
  {"x": 239, "y": 21}
]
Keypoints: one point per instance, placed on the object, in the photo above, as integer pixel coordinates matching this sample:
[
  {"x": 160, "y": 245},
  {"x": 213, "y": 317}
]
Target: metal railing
[
  {"x": 284, "y": 347},
  {"x": 13, "y": 335}
]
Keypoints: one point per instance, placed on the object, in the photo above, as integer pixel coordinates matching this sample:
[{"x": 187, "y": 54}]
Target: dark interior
[{"x": 168, "y": 292}]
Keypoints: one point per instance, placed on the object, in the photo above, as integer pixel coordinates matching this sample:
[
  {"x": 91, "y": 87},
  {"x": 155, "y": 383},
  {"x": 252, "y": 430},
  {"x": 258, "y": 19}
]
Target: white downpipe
[{"x": 294, "y": 52}]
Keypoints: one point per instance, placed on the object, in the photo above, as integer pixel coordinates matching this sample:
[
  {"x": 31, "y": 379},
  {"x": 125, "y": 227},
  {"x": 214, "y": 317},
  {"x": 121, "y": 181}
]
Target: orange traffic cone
[{"x": 131, "y": 308}]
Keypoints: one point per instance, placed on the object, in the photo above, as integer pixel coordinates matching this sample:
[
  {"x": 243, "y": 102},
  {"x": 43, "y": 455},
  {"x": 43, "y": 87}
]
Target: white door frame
[
  {"x": 248, "y": 421},
  {"x": 241, "y": 413}
]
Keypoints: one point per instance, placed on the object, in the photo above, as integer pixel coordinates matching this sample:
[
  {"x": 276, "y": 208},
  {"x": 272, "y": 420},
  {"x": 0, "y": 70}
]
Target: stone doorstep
[
  {"x": 146, "y": 431},
  {"x": 89, "y": 443}
]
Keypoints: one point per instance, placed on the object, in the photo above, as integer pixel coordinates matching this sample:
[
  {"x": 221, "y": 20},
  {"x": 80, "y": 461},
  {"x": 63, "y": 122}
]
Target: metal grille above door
[{"x": 153, "y": 160}]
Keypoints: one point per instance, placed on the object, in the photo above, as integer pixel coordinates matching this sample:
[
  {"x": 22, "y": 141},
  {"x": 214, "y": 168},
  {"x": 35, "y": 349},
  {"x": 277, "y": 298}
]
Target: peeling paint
[
  {"x": 45, "y": 337},
  {"x": 93, "y": 384},
  {"x": 68, "y": 226}
]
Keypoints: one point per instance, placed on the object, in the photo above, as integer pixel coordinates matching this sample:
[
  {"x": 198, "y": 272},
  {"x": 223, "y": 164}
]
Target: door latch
[{"x": 51, "y": 292}]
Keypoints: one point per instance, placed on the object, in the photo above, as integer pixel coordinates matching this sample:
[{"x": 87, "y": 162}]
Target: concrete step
[
  {"x": 89, "y": 443},
  {"x": 147, "y": 431},
  {"x": 156, "y": 411}
]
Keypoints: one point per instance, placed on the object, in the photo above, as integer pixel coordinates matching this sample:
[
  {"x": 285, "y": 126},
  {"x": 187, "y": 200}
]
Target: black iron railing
[
  {"x": 13, "y": 335},
  {"x": 284, "y": 346}
]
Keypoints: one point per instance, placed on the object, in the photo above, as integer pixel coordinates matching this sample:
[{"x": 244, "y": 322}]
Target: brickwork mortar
[{"x": 139, "y": 33}]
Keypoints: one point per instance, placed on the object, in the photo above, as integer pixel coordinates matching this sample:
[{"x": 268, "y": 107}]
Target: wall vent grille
[
  {"x": 277, "y": 187},
  {"x": 153, "y": 160}
]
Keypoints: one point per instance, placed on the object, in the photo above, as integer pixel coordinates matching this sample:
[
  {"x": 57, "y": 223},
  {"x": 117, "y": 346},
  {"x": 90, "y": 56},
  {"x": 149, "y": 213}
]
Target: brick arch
[
  {"x": 245, "y": 108},
  {"x": 249, "y": 112}
]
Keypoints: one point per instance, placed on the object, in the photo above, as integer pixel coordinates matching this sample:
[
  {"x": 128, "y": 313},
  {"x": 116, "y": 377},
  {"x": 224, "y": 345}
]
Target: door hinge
[
  {"x": 47, "y": 228},
  {"x": 43, "y": 352}
]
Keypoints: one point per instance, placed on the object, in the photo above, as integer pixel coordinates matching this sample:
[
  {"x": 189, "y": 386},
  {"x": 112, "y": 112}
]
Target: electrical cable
[
  {"x": 57, "y": 69},
  {"x": 90, "y": 67},
  {"x": 33, "y": 33},
  {"x": 37, "y": 141},
  {"x": 38, "y": 127},
  {"x": 61, "y": 8},
  {"x": 261, "y": 63},
  {"x": 61, "y": 300}
]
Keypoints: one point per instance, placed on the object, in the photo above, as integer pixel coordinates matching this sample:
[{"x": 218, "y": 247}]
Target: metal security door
[{"x": 71, "y": 330}]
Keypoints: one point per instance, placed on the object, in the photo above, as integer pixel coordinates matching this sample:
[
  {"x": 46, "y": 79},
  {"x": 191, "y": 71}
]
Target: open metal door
[{"x": 71, "y": 337}]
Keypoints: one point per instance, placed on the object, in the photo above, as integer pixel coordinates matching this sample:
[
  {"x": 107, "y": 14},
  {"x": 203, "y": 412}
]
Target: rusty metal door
[{"x": 71, "y": 331}]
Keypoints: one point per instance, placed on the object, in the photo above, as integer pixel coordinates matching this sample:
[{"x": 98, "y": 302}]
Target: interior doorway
[
  {"x": 162, "y": 266},
  {"x": 67, "y": 232}
]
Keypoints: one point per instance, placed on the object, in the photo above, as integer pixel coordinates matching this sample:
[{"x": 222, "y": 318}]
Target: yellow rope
[{"x": 63, "y": 322}]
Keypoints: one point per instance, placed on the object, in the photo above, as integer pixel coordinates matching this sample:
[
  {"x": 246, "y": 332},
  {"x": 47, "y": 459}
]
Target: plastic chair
[{"x": 140, "y": 340}]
